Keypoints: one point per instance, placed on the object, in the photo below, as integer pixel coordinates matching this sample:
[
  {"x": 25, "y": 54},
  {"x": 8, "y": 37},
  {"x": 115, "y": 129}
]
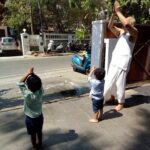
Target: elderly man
[{"x": 121, "y": 57}]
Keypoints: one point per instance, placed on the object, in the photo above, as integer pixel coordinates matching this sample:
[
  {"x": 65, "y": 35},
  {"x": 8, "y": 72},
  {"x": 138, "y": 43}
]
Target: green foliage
[
  {"x": 74, "y": 3},
  {"x": 80, "y": 32},
  {"x": 65, "y": 15},
  {"x": 87, "y": 11},
  {"x": 17, "y": 12},
  {"x": 137, "y": 8}
]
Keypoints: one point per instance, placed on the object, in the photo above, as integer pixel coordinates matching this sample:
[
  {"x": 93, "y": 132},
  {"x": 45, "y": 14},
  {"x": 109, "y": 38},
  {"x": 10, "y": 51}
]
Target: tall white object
[
  {"x": 109, "y": 47},
  {"x": 98, "y": 32},
  {"x": 41, "y": 43},
  {"x": 25, "y": 42}
]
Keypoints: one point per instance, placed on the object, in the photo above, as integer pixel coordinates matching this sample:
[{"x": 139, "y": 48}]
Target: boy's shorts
[
  {"x": 34, "y": 125},
  {"x": 97, "y": 104}
]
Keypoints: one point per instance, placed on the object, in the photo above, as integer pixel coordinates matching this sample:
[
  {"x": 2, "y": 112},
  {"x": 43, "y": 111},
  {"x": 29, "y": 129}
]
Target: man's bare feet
[
  {"x": 119, "y": 107},
  {"x": 93, "y": 120},
  {"x": 111, "y": 100}
]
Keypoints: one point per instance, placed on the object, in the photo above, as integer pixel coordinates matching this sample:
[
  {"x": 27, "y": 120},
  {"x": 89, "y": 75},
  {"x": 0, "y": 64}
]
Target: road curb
[{"x": 47, "y": 55}]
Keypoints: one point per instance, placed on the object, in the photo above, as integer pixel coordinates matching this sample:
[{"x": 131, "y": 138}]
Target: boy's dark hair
[
  {"x": 34, "y": 83},
  {"x": 99, "y": 73}
]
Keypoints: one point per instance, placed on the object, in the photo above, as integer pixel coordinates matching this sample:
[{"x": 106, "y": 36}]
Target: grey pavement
[{"x": 67, "y": 109}]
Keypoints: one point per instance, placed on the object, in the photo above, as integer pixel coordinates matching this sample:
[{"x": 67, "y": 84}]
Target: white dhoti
[
  {"x": 115, "y": 83},
  {"x": 119, "y": 66}
]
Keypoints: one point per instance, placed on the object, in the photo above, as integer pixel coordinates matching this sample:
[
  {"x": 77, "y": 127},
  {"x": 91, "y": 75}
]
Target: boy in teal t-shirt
[{"x": 32, "y": 91}]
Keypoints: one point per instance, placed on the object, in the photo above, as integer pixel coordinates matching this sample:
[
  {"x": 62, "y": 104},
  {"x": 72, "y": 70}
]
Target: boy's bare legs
[
  {"x": 95, "y": 117},
  {"x": 33, "y": 140},
  {"x": 39, "y": 135},
  {"x": 100, "y": 115}
]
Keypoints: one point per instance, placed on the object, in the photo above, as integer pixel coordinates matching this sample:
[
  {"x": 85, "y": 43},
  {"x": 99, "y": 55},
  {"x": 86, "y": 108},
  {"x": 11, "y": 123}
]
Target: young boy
[
  {"x": 31, "y": 88},
  {"x": 96, "y": 93}
]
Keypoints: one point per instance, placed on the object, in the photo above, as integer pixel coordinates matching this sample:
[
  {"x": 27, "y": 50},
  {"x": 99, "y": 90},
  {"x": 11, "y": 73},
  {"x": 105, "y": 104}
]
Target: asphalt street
[
  {"x": 66, "y": 125},
  {"x": 67, "y": 109},
  {"x": 11, "y": 66}
]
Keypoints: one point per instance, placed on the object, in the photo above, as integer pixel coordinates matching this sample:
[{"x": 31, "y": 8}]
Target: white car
[{"x": 7, "y": 44}]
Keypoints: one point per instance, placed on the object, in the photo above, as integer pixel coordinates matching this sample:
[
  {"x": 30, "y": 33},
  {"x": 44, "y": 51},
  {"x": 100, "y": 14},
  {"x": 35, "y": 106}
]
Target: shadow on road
[
  {"x": 141, "y": 140},
  {"x": 11, "y": 53},
  {"x": 4, "y": 91},
  {"x": 56, "y": 137},
  {"x": 111, "y": 114},
  {"x": 135, "y": 100},
  {"x": 61, "y": 95},
  {"x": 10, "y": 103},
  {"x": 13, "y": 132}
]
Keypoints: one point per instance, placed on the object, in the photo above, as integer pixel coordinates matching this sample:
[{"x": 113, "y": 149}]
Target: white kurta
[{"x": 116, "y": 78}]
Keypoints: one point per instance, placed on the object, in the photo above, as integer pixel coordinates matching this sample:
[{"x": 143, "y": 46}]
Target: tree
[
  {"x": 56, "y": 13},
  {"x": 18, "y": 13},
  {"x": 86, "y": 11},
  {"x": 138, "y": 8},
  {"x": 97, "y": 9},
  {"x": 2, "y": 10},
  {"x": 68, "y": 15}
]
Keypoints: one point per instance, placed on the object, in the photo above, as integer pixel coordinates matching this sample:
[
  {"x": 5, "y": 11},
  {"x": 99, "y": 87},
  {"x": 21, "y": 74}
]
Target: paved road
[
  {"x": 66, "y": 125},
  {"x": 16, "y": 66},
  {"x": 58, "y": 81}
]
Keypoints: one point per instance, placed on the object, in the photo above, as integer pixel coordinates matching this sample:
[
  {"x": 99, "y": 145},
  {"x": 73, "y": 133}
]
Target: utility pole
[
  {"x": 31, "y": 19},
  {"x": 40, "y": 15}
]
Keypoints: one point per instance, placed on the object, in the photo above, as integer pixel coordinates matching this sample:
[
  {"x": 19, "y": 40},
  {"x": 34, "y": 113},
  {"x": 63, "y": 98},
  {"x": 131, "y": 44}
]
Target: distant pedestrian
[
  {"x": 96, "y": 92},
  {"x": 31, "y": 88},
  {"x": 50, "y": 46}
]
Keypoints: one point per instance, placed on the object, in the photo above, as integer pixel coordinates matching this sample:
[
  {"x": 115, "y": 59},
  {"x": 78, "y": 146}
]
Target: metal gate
[
  {"x": 61, "y": 38},
  {"x": 140, "y": 65}
]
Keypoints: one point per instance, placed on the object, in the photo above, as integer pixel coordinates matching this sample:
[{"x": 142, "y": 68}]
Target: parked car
[{"x": 8, "y": 44}]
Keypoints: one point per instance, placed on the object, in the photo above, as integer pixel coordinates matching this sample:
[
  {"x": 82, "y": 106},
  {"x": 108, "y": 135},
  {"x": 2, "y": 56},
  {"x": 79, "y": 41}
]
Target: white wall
[
  {"x": 98, "y": 32},
  {"x": 110, "y": 45}
]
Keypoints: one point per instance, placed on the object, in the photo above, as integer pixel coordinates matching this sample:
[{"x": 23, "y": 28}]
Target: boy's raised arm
[
  {"x": 92, "y": 71},
  {"x": 30, "y": 71}
]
